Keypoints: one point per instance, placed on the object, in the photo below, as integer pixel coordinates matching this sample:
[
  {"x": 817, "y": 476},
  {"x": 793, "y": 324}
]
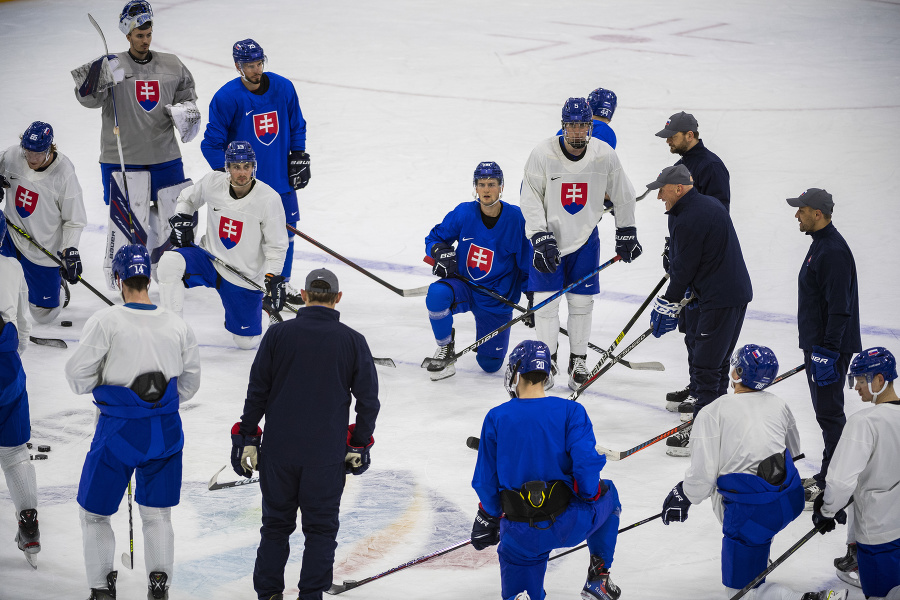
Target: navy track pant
[
  {"x": 715, "y": 337},
  {"x": 828, "y": 402}
]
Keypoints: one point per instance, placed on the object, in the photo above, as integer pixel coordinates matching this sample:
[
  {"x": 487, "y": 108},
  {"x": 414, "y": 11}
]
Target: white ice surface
[{"x": 403, "y": 98}]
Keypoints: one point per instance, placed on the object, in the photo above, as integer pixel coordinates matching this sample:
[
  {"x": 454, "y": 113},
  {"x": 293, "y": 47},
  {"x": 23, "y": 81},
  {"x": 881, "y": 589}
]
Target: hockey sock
[
  {"x": 581, "y": 316},
  {"x": 44, "y": 315},
  {"x": 438, "y": 302},
  {"x": 99, "y": 544},
  {"x": 289, "y": 257},
  {"x": 171, "y": 288},
  {"x": 20, "y": 479},
  {"x": 546, "y": 320},
  {"x": 246, "y": 342},
  {"x": 159, "y": 540}
]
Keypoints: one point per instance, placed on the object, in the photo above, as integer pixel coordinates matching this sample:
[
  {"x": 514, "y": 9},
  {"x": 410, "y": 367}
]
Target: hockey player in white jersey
[
  {"x": 44, "y": 199},
  {"x": 245, "y": 228},
  {"x": 566, "y": 181},
  {"x": 742, "y": 459},
  {"x": 864, "y": 467},
  {"x": 15, "y": 424},
  {"x": 139, "y": 361}
]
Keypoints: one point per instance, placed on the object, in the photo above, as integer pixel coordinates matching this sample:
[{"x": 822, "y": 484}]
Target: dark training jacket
[{"x": 711, "y": 178}]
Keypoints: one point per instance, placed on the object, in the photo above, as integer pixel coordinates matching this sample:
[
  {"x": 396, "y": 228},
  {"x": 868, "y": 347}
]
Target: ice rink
[{"x": 402, "y": 99}]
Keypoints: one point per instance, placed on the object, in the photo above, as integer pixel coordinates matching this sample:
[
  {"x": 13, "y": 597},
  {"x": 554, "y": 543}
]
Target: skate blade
[
  {"x": 685, "y": 417},
  {"x": 32, "y": 560},
  {"x": 672, "y": 406},
  {"x": 678, "y": 452},
  {"x": 852, "y": 577}
]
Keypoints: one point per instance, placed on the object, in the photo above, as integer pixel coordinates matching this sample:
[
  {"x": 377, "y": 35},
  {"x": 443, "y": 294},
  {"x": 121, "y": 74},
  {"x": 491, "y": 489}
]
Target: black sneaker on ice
[
  {"x": 686, "y": 409},
  {"x": 680, "y": 443},
  {"x": 673, "y": 399}
]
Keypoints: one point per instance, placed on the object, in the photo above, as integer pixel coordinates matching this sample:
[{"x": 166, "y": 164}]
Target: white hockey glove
[
  {"x": 186, "y": 117},
  {"x": 118, "y": 72}
]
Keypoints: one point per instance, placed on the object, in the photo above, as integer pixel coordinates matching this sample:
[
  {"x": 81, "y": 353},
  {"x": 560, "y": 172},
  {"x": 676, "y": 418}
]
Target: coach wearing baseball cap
[{"x": 828, "y": 320}]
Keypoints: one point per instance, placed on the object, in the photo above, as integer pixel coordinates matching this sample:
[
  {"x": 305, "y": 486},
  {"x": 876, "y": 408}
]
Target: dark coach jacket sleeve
[
  {"x": 365, "y": 389},
  {"x": 259, "y": 387}
]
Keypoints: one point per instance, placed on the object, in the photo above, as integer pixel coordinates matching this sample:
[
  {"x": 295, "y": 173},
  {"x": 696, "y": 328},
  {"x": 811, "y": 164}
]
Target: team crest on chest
[
  {"x": 146, "y": 92},
  {"x": 573, "y": 196},
  {"x": 479, "y": 262},
  {"x": 265, "y": 126},
  {"x": 26, "y": 202},
  {"x": 230, "y": 232}
]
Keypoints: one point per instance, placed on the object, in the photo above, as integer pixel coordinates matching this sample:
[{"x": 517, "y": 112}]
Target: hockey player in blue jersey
[
  {"x": 603, "y": 104},
  {"x": 538, "y": 467},
  {"x": 262, "y": 107},
  {"x": 491, "y": 236}
]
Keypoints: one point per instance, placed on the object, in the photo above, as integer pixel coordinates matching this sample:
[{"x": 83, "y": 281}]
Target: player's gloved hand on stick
[
  {"x": 118, "y": 72},
  {"x": 664, "y": 317},
  {"x": 627, "y": 244},
  {"x": 244, "y": 451},
  {"x": 182, "y": 234},
  {"x": 444, "y": 256},
  {"x": 357, "y": 459},
  {"x": 546, "y": 253},
  {"x": 277, "y": 289},
  {"x": 485, "y": 530},
  {"x": 665, "y": 256},
  {"x": 298, "y": 169},
  {"x": 676, "y": 505},
  {"x": 694, "y": 301},
  {"x": 3, "y": 184},
  {"x": 529, "y": 320},
  {"x": 826, "y": 524},
  {"x": 823, "y": 361},
  {"x": 71, "y": 264}
]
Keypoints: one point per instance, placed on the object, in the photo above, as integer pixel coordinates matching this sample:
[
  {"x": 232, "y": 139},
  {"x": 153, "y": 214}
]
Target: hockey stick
[
  {"x": 441, "y": 363},
  {"x": 52, "y": 342},
  {"x": 623, "y": 530},
  {"x": 644, "y": 366},
  {"x": 128, "y": 557},
  {"x": 812, "y": 532},
  {"x": 620, "y": 454},
  {"x": 349, "y": 584},
  {"x": 214, "y": 485},
  {"x": 420, "y": 291},
  {"x": 28, "y": 237}
]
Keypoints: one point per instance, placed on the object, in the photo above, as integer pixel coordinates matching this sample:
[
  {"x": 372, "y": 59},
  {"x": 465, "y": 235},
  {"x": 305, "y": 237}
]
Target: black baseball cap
[
  {"x": 678, "y": 122},
  {"x": 814, "y": 198},
  {"x": 322, "y": 275},
  {"x": 677, "y": 174}
]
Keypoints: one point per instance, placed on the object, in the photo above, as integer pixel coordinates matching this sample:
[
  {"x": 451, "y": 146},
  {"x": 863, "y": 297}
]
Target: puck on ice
[
  {"x": 38, "y": 457},
  {"x": 66, "y": 323},
  {"x": 43, "y": 448},
  {"x": 472, "y": 442}
]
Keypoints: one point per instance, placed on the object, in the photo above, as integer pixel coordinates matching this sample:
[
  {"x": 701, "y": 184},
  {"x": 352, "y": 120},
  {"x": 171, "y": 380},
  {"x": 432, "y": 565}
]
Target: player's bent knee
[
  {"x": 550, "y": 310},
  {"x": 171, "y": 267},
  {"x": 439, "y": 297},
  {"x": 489, "y": 364},
  {"x": 10, "y": 456},
  {"x": 89, "y": 518},
  {"x": 43, "y": 315},
  {"x": 579, "y": 304},
  {"x": 246, "y": 342},
  {"x": 152, "y": 513}
]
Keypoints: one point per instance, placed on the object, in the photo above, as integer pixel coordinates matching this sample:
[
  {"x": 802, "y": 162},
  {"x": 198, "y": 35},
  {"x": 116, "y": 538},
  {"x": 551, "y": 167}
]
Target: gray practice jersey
[{"x": 145, "y": 127}]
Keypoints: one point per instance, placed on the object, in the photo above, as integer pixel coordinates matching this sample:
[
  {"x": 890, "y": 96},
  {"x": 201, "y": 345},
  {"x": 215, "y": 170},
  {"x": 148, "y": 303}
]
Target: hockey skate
[
  {"x": 107, "y": 593},
  {"x": 811, "y": 491},
  {"x": 274, "y": 317},
  {"x": 578, "y": 373},
  {"x": 679, "y": 444},
  {"x": 157, "y": 588},
  {"x": 686, "y": 409},
  {"x": 548, "y": 383},
  {"x": 673, "y": 399},
  {"x": 444, "y": 352},
  {"x": 847, "y": 567},
  {"x": 292, "y": 296},
  {"x": 28, "y": 537},
  {"x": 826, "y": 595},
  {"x": 598, "y": 585}
]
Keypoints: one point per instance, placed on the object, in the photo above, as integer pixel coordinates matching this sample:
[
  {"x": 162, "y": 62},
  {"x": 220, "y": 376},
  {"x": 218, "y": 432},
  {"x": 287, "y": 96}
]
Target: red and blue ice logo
[
  {"x": 26, "y": 202},
  {"x": 230, "y": 232},
  {"x": 479, "y": 262},
  {"x": 146, "y": 92},
  {"x": 573, "y": 196},
  {"x": 265, "y": 126}
]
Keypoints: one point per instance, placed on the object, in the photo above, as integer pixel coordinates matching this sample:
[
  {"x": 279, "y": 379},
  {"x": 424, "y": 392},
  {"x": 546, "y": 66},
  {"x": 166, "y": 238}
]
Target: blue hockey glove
[
  {"x": 608, "y": 205},
  {"x": 244, "y": 451},
  {"x": 3, "y": 184},
  {"x": 277, "y": 290},
  {"x": 676, "y": 505},
  {"x": 529, "y": 320},
  {"x": 665, "y": 256},
  {"x": 71, "y": 264},
  {"x": 485, "y": 530},
  {"x": 694, "y": 302},
  {"x": 444, "y": 256},
  {"x": 546, "y": 254},
  {"x": 627, "y": 244},
  {"x": 182, "y": 234},
  {"x": 298, "y": 169},
  {"x": 357, "y": 460},
  {"x": 826, "y": 524},
  {"x": 823, "y": 361},
  {"x": 664, "y": 317}
]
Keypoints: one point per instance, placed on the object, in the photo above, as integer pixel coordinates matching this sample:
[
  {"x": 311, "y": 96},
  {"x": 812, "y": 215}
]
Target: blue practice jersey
[
  {"x": 498, "y": 258},
  {"x": 271, "y": 122},
  {"x": 601, "y": 131}
]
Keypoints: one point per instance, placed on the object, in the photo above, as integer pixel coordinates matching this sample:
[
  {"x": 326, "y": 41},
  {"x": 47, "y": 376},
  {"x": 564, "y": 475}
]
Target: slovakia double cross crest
[
  {"x": 265, "y": 125},
  {"x": 573, "y": 196},
  {"x": 26, "y": 202},
  {"x": 479, "y": 262},
  {"x": 230, "y": 232},
  {"x": 146, "y": 92}
]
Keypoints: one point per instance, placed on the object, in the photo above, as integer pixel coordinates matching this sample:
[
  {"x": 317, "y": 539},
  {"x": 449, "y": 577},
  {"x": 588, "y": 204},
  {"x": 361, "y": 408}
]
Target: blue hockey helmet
[
  {"x": 529, "y": 356},
  {"x": 872, "y": 362},
  {"x": 756, "y": 366},
  {"x": 2, "y": 226},
  {"x": 603, "y": 103},
  {"x": 488, "y": 170},
  {"x": 135, "y": 15},
  {"x": 240, "y": 152},
  {"x": 577, "y": 110},
  {"x": 131, "y": 260},
  {"x": 38, "y": 137},
  {"x": 247, "y": 51}
]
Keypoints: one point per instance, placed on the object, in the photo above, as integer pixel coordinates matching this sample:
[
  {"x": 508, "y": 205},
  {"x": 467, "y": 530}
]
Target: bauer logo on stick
[
  {"x": 573, "y": 196},
  {"x": 266, "y": 127},
  {"x": 230, "y": 232},
  {"x": 26, "y": 202},
  {"x": 479, "y": 262},
  {"x": 147, "y": 93}
]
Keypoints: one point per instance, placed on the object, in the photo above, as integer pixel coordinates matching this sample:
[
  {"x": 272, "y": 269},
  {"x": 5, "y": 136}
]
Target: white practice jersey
[
  {"x": 249, "y": 234},
  {"x": 47, "y": 204},
  {"x": 14, "y": 298},
  {"x": 118, "y": 343},
  {"x": 864, "y": 465},
  {"x": 733, "y": 435},
  {"x": 566, "y": 197}
]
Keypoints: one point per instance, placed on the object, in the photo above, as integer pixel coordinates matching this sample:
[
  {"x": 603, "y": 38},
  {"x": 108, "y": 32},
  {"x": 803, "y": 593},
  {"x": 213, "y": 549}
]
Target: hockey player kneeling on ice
[
  {"x": 139, "y": 361},
  {"x": 537, "y": 463},
  {"x": 490, "y": 235},
  {"x": 743, "y": 446},
  {"x": 44, "y": 200},
  {"x": 864, "y": 466},
  {"x": 244, "y": 228},
  {"x": 15, "y": 424}
]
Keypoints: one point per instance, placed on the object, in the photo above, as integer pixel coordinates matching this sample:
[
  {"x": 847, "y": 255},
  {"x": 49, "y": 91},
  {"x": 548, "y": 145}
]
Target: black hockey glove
[
  {"x": 244, "y": 451},
  {"x": 182, "y": 234},
  {"x": 3, "y": 184},
  {"x": 298, "y": 169},
  {"x": 71, "y": 265},
  {"x": 627, "y": 244},
  {"x": 444, "y": 256},
  {"x": 546, "y": 254},
  {"x": 676, "y": 505},
  {"x": 485, "y": 530},
  {"x": 665, "y": 256},
  {"x": 276, "y": 287},
  {"x": 357, "y": 460},
  {"x": 826, "y": 524},
  {"x": 529, "y": 320}
]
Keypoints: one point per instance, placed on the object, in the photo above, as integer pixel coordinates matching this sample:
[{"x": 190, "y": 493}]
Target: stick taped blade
[
  {"x": 385, "y": 362},
  {"x": 126, "y": 560},
  {"x": 436, "y": 363},
  {"x": 644, "y": 366},
  {"x": 420, "y": 291},
  {"x": 339, "y": 588},
  {"x": 610, "y": 454}
]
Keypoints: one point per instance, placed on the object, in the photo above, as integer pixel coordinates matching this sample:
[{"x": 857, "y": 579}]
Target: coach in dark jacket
[
  {"x": 301, "y": 381},
  {"x": 827, "y": 318}
]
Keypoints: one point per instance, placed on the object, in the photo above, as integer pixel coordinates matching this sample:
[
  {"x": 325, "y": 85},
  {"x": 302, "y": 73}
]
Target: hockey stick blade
[
  {"x": 52, "y": 342},
  {"x": 384, "y": 362},
  {"x": 214, "y": 485},
  {"x": 340, "y": 588},
  {"x": 643, "y": 366},
  {"x": 126, "y": 561}
]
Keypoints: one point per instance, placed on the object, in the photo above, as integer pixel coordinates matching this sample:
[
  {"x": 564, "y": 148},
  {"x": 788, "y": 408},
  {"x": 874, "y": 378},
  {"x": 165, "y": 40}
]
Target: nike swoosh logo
[
  {"x": 467, "y": 239},
  {"x": 704, "y": 335},
  {"x": 129, "y": 76},
  {"x": 215, "y": 209},
  {"x": 294, "y": 213},
  {"x": 247, "y": 327},
  {"x": 248, "y": 112},
  {"x": 500, "y": 348},
  {"x": 555, "y": 178},
  {"x": 588, "y": 285},
  {"x": 47, "y": 297}
]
